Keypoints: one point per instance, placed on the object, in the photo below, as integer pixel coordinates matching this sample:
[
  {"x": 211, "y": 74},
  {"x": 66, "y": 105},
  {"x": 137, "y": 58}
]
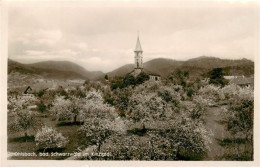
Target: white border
[{"x": 28, "y": 163}]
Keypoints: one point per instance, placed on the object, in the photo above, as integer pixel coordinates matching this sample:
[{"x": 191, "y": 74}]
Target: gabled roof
[
  {"x": 241, "y": 81},
  {"x": 150, "y": 73},
  {"x": 138, "y": 47}
]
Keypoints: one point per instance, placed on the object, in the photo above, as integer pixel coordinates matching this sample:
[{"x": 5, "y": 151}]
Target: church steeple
[
  {"x": 138, "y": 56},
  {"x": 138, "y": 47}
]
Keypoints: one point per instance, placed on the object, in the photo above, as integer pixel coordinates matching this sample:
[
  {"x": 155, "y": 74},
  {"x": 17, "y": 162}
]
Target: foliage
[
  {"x": 239, "y": 118},
  {"x": 118, "y": 98},
  {"x": 141, "y": 78},
  {"x": 99, "y": 118},
  {"x": 188, "y": 136},
  {"x": 150, "y": 147},
  {"x": 96, "y": 129},
  {"x": 40, "y": 93},
  {"x": 22, "y": 121},
  {"x": 212, "y": 93},
  {"x": 48, "y": 137},
  {"x": 94, "y": 106},
  {"x": 216, "y": 76},
  {"x": 21, "y": 102},
  {"x": 145, "y": 107},
  {"x": 169, "y": 95},
  {"x": 62, "y": 92},
  {"x": 106, "y": 77},
  {"x": 179, "y": 77},
  {"x": 198, "y": 107},
  {"x": 129, "y": 80},
  {"x": 66, "y": 109},
  {"x": 173, "y": 142},
  {"x": 41, "y": 107},
  {"x": 78, "y": 92}
]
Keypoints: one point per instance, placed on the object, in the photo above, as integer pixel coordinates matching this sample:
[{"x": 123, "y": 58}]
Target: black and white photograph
[{"x": 131, "y": 80}]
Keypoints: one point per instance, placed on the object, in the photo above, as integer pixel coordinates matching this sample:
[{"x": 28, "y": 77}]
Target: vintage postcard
[{"x": 138, "y": 83}]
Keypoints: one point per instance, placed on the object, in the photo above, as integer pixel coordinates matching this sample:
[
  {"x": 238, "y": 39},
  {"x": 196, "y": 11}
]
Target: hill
[
  {"x": 196, "y": 66},
  {"x": 162, "y": 66},
  {"x": 54, "y": 70},
  {"x": 121, "y": 71},
  {"x": 213, "y": 62},
  {"x": 159, "y": 66}
]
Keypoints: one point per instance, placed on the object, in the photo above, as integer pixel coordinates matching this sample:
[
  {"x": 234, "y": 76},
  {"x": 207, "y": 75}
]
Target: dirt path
[{"x": 219, "y": 132}]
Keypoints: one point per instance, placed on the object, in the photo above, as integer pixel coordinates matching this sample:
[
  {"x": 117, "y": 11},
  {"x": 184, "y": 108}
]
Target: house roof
[
  {"x": 241, "y": 80},
  {"x": 150, "y": 73}
]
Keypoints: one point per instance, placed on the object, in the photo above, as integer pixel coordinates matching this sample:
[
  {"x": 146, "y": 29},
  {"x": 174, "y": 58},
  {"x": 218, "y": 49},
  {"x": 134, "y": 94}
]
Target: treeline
[{"x": 129, "y": 80}]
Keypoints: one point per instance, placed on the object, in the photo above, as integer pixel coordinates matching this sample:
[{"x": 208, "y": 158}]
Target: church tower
[{"x": 138, "y": 57}]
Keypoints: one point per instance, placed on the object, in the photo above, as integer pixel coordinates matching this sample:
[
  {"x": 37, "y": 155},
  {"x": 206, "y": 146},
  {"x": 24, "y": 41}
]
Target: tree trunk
[
  {"x": 75, "y": 118},
  {"x": 143, "y": 126},
  {"x": 99, "y": 146}
]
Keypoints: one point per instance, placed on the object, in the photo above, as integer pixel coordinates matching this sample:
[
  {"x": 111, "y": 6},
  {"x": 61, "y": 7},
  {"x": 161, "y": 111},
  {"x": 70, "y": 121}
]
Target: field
[{"x": 119, "y": 120}]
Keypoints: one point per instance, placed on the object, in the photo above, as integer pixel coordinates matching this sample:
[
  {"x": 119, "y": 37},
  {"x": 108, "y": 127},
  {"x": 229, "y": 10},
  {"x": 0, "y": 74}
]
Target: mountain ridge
[
  {"x": 161, "y": 66},
  {"x": 195, "y": 66},
  {"x": 54, "y": 69}
]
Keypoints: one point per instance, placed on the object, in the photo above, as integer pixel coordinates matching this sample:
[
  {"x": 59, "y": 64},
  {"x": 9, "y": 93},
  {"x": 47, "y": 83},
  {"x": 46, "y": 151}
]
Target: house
[{"x": 242, "y": 81}]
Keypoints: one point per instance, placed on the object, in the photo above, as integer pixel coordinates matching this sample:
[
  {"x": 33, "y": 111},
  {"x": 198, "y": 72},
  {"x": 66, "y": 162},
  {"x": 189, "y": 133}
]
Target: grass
[
  {"x": 190, "y": 155},
  {"x": 237, "y": 157},
  {"x": 238, "y": 149},
  {"x": 21, "y": 139},
  {"x": 227, "y": 142},
  {"x": 18, "y": 143}
]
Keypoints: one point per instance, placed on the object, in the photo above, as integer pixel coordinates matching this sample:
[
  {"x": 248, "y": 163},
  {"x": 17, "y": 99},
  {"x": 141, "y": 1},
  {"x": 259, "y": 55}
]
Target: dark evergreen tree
[
  {"x": 106, "y": 77},
  {"x": 141, "y": 78},
  {"x": 216, "y": 76}
]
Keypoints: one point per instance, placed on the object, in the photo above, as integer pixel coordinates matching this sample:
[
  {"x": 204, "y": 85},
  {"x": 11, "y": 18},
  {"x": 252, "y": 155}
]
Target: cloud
[
  {"x": 41, "y": 37},
  {"x": 82, "y": 45},
  {"x": 103, "y": 38}
]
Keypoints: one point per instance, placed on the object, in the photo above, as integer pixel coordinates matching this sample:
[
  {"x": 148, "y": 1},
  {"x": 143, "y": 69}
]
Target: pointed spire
[{"x": 138, "y": 45}]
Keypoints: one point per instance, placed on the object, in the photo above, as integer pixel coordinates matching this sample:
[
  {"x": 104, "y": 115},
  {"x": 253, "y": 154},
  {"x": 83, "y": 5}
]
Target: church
[{"x": 138, "y": 66}]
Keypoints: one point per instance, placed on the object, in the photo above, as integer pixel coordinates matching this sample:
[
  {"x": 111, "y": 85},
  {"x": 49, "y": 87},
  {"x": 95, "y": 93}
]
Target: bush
[
  {"x": 239, "y": 118},
  {"x": 119, "y": 98},
  {"x": 198, "y": 106},
  {"x": 22, "y": 121},
  {"x": 216, "y": 76},
  {"x": 181, "y": 139},
  {"x": 146, "y": 108},
  {"x": 66, "y": 109},
  {"x": 211, "y": 93},
  {"x": 41, "y": 107},
  {"x": 152, "y": 147},
  {"x": 97, "y": 130},
  {"x": 48, "y": 137},
  {"x": 240, "y": 115},
  {"x": 141, "y": 78},
  {"x": 129, "y": 80}
]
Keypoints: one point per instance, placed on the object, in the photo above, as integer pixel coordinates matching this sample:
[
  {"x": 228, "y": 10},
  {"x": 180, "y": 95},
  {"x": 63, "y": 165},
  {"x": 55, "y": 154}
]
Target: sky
[{"x": 102, "y": 36}]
